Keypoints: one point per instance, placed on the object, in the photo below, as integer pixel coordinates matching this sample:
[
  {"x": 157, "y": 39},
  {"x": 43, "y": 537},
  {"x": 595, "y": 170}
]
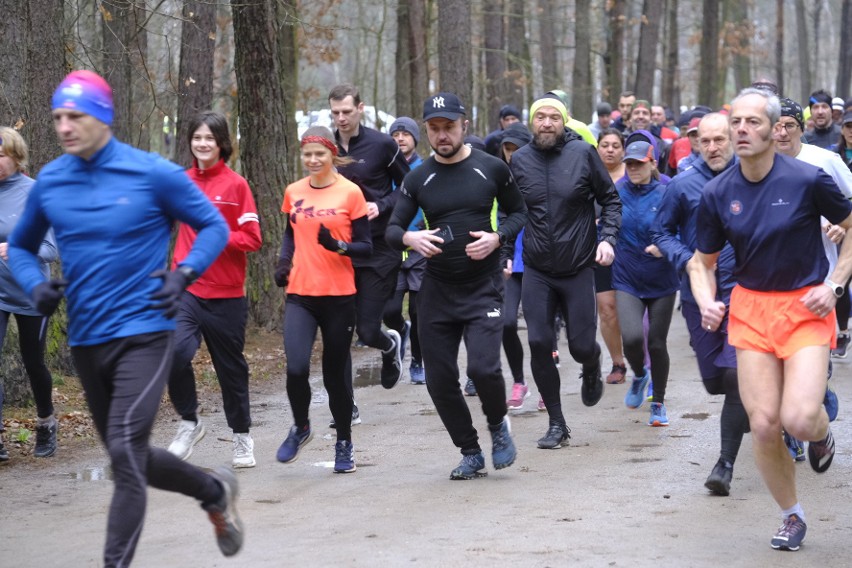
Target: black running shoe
[
  {"x": 821, "y": 453},
  {"x": 557, "y": 435},
  {"x": 790, "y": 535},
  {"x": 46, "y": 439},
  {"x": 719, "y": 480},
  {"x": 592, "y": 388},
  {"x": 392, "y": 361}
]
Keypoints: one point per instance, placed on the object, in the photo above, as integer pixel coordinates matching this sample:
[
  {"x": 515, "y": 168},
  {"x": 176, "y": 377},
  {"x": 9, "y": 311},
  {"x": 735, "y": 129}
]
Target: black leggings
[
  {"x": 335, "y": 317},
  {"x": 124, "y": 381},
  {"x": 393, "y": 319},
  {"x": 511, "y": 342},
  {"x": 631, "y": 312},
  {"x": 32, "y": 331}
]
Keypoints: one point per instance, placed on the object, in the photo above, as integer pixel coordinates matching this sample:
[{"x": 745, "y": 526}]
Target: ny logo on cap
[{"x": 438, "y": 102}]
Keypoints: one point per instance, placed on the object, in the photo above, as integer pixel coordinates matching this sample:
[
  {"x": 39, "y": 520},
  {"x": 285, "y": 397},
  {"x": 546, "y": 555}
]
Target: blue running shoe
[
  {"x": 636, "y": 394},
  {"x": 503, "y": 452},
  {"x": 649, "y": 394},
  {"x": 417, "y": 373},
  {"x": 344, "y": 457},
  {"x": 469, "y": 388},
  {"x": 831, "y": 403},
  {"x": 790, "y": 535},
  {"x": 795, "y": 447},
  {"x": 658, "y": 415},
  {"x": 471, "y": 465},
  {"x": 289, "y": 450}
]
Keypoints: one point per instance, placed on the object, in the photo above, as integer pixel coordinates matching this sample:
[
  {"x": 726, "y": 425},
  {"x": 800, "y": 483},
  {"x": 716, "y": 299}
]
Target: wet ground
[{"x": 622, "y": 494}]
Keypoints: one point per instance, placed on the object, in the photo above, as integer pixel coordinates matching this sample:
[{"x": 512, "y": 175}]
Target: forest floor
[{"x": 622, "y": 494}]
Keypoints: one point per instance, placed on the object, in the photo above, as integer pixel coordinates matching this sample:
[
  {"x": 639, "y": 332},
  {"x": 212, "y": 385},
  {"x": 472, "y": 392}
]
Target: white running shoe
[
  {"x": 189, "y": 433},
  {"x": 243, "y": 451}
]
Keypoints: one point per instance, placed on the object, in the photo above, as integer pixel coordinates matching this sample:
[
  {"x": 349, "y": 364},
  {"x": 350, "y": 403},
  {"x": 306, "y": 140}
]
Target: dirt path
[{"x": 622, "y": 494}]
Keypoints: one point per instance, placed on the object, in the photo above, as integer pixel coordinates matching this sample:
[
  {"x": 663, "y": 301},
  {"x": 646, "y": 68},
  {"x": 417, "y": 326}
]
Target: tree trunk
[
  {"x": 709, "y": 67},
  {"x": 455, "y": 72},
  {"x": 519, "y": 54},
  {"x": 646, "y": 60},
  {"x": 495, "y": 59},
  {"x": 13, "y": 57},
  {"x": 670, "y": 91},
  {"x": 614, "y": 59},
  {"x": 804, "y": 67},
  {"x": 844, "y": 70},
  {"x": 195, "y": 77},
  {"x": 550, "y": 75},
  {"x": 581, "y": 80},
  {"x": 31, "y": 66},
  {"x": 268, "y": 137},
  {"x": 743, "y": 31},
  {"x": 779, "y": 45},
  {"x": 420, "y": 26},
  {"x": 125, "y": 46},
  {"x": 404, "y": 101}
]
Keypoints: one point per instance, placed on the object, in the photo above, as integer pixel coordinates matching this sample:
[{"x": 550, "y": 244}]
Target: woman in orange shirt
[{"x": 327, "y": 226}]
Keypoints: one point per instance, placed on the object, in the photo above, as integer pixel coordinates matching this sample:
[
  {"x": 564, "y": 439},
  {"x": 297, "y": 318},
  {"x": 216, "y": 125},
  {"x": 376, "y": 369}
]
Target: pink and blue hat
[{"x": 87, "y": 92}]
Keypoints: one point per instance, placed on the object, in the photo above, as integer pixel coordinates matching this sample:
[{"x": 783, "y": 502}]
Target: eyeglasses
[{"x": 790, "y": 127}]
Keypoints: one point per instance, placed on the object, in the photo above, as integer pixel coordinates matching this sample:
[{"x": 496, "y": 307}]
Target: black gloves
[
  {"x": 47, "y": 296},
  {"x": 282, "y": 272},
  {"x": 174, "y": 283},
  {"x": 330, "y": 243}
]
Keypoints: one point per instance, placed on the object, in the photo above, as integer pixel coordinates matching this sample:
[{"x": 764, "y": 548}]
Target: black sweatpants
[
  {"x": 511, "y": 342},
  {"x": 631, "y": 312},
  {"x": 124, "y": 381},
  {"x": 32, "y": 331},
  {"x": 449, "y": 311},
  {"x": 335, "y": 317},
  {"x": 222, "y": 324},
  {"x": 574, "y": 295}
]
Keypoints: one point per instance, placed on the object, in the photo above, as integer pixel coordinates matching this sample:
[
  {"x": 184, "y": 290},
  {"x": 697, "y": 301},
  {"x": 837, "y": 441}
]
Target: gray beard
[{"x": 545, "y": 141}]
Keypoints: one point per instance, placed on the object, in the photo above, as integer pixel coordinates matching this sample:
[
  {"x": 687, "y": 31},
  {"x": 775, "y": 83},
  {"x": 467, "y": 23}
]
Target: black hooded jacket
[{"x": 560, "y": 186}]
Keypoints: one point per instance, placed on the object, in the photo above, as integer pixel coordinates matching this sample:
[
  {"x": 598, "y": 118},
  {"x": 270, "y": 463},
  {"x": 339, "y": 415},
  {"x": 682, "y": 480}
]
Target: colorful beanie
[{"x": 87, "y": 92}]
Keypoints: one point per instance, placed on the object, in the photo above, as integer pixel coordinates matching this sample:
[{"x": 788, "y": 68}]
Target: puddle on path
[
  {"x": 367, "y": 376},
  {"x": 94, "y": 473}
]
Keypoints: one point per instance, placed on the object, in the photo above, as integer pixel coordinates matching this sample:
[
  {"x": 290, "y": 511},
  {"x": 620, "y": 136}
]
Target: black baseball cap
[{"x": 443, "y": 105}]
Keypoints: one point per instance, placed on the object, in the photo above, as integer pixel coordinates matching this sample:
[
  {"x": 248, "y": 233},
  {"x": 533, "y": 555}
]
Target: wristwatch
[
  {"x": 835, "y": 287},
  {"x": 189, "y": 273},
  {"x": 342, "y": 247}
]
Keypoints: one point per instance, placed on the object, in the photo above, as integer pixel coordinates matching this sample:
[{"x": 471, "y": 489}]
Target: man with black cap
[
  {"x": 561, "y": 178},
  {"x": 508, "y": 114},
  {"x": 377, "y": 167},
  {"x": 603, "y": 120},
  {"x": 112, "y": 208},
  {"x": 825, "y": 133},
  {"x": 406, "y": 133},
  {"x": 457, "y": 189}
]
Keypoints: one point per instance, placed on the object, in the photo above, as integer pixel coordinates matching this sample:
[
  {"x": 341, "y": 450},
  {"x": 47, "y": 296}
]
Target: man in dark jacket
[{"x": 561, "y": 177}]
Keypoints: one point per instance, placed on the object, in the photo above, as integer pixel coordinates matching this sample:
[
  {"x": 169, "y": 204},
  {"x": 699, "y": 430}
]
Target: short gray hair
[{"x": 773, "y": 103}]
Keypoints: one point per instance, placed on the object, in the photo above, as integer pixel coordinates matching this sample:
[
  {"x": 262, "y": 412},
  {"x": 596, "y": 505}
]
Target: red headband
[{"x": 320, "y": 140}]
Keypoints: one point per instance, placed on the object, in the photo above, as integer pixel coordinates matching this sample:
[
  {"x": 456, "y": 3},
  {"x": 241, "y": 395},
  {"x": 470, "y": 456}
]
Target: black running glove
[
  {"x": 174, "y": 283},
  {"x": 47, "y": 296},
  {"x": 282, "y": 272},
  {"x": 330, "y": 243}
]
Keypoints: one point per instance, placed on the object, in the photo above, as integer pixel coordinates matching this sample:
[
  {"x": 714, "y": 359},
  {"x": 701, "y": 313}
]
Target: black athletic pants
[
  {"x": 335, "y": 318},
  {"x": 448, "y": 312},
  {"x": 393, "y": 319},
  {"x": 222, "y": 324},
  {"x": 575, "y": 296},
  {"x": 32, "y": 331},
  {"x": 124, "y": 381},
  {"x": 511, "y": 342}
]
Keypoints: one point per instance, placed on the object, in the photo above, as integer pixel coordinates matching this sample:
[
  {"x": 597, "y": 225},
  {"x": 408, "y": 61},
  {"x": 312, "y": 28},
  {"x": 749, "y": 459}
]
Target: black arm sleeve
[
  {"x": 403, "y": 213},
  {"x": 362, "y": 243},
  {"x": 285, "y": 257},
  {"x": 511, "y": 202}
]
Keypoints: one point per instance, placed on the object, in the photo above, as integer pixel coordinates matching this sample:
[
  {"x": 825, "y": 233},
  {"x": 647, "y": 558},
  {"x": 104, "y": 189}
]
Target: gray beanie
[{"x": 406, "y": 125}]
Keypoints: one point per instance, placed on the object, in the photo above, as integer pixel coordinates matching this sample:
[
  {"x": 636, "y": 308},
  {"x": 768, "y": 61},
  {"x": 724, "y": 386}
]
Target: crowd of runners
[{"x": 735, "y": 217}]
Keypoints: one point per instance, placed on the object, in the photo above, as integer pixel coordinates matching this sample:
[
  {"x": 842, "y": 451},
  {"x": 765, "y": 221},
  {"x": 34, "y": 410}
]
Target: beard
[
  {"x": 454, "y": 149},
  {"x": 545, "y": 140}
]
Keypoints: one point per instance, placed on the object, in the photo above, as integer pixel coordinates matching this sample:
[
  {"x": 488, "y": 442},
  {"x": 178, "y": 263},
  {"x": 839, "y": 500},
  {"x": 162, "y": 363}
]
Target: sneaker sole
[
  {"x": 241, "y": 465},
  {"x": 658, "y": 424},
  {"x": 460, "y": 477},
  {"x": 398, "y": 356},
  {"x": 38, "y": 454},
  {"x": 717, "y": 487},
  {"x": 556, "y": 447},
  {"x": 345, "y": 470},
  {"x": 191, "y": 445}
]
